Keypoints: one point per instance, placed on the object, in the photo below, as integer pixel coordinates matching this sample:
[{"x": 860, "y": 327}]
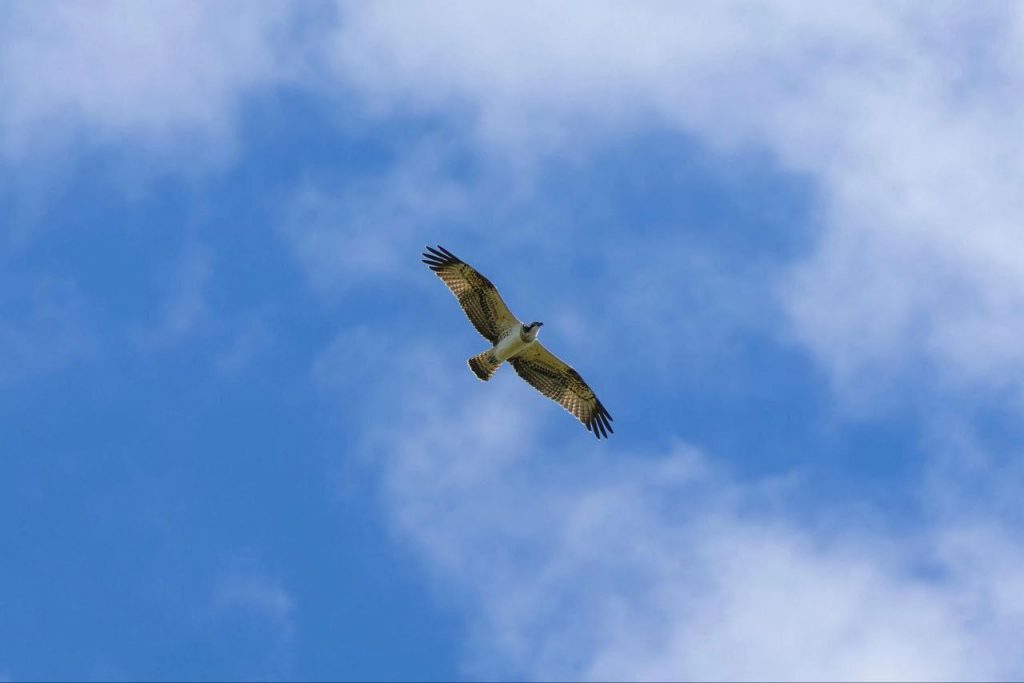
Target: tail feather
[{"x": 484, "y": 365}]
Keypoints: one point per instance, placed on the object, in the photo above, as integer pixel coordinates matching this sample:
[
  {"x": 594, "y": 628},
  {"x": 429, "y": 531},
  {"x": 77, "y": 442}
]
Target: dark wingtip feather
[
  {"x": 439, "y": 257},
  {"x": 600, "y": 420},
  {"x": 434, "y": 262}
]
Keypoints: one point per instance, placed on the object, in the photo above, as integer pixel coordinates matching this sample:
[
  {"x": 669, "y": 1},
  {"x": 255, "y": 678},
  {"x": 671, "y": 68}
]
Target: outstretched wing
[
  {"x": 559, "y": 382},
  {"x": 477, "y": 296}
]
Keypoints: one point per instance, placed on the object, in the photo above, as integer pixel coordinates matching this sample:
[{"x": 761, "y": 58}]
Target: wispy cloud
[
  {"x": 152, "y": 74},
  {"x": 259, "y": 595},
  {"x": 185, "y": 305},
  {"x": 251, "y": 335},
  {"x": 349, "y": 231},
  {"x": 610, "y": 564},
  {"x": 662, "y": 566},
  {"x": 260, "y": 614},
  {"x": 903, "y": 123},
  {"x": 604, "y": 564},
  {"x": 885, "y": 109}
]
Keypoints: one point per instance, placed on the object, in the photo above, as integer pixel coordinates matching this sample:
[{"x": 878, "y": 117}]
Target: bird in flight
[{"x": 515, "y": 342}]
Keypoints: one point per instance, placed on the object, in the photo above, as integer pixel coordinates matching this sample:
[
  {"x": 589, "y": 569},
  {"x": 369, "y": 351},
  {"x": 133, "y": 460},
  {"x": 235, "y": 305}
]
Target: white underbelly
[{"x": 509, "y": 345}]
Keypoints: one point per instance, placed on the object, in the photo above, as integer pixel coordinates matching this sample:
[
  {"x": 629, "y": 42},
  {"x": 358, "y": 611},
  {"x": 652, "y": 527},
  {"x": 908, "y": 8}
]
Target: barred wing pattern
[
  {"x": 477, "y": 296},
  {"x": 559, "y": 382}
]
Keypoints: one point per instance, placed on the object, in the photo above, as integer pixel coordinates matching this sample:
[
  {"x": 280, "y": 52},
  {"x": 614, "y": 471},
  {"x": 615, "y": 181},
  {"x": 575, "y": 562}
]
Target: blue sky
[{"x": 781, "y": 241}]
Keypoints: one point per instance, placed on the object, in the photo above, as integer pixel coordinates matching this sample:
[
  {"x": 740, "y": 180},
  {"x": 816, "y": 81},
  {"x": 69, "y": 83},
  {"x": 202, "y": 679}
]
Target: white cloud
[
  {"x": 904, "y": 122},
  {"x": 258, "y": 613},
  {"x": 905, "y": 118},
  {"x": 585, "y": 560},
  {"x": 257, "y": 594},
  {"x": 589, "y": 563},
  {"x": 343, "y": 233},
  {"x": 148, "y": 73}
]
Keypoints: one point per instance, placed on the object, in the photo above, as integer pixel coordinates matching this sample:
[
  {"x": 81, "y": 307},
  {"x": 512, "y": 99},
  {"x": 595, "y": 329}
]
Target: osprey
[{"x": 515, "y": 342}]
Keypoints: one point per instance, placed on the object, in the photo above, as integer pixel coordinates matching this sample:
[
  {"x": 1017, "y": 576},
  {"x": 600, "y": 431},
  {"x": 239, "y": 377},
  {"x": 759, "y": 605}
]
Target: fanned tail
[{"x": 484, "y": 365}]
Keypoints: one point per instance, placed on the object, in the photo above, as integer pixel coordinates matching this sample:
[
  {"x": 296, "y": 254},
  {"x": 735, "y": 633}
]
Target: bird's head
[{"x": 530, "y": 331}]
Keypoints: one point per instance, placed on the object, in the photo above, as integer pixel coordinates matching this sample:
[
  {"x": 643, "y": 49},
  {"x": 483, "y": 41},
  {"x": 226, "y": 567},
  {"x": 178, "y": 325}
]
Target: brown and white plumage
[
  {"x": 557, "y": 380},
  {"x": 515, "y": 342},
  {"x": 477, "y": 296}
]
